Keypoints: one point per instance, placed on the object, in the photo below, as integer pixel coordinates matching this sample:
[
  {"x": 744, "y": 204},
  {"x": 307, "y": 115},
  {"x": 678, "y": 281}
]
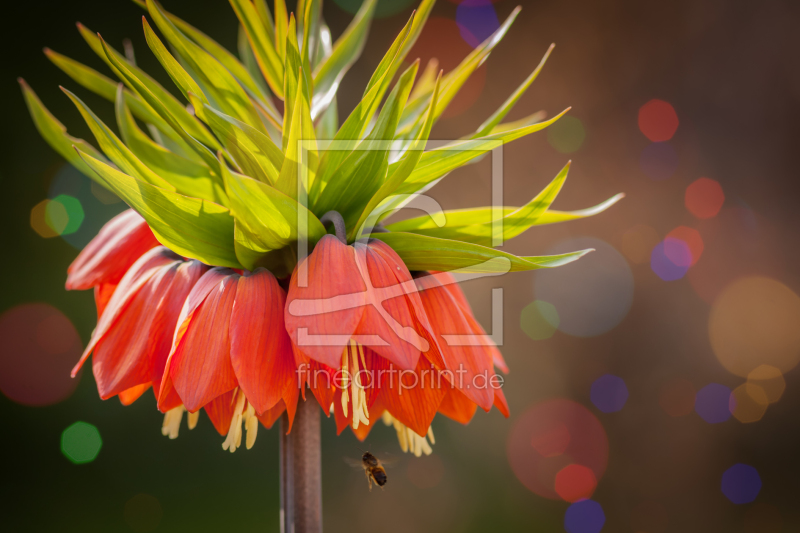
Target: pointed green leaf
[
  {"x": 115, "y": 149},
  {"x": 291, "y": 69},
  {"x": 421, "y": 252},
  {"x": 254, "y": 153},
  {"x": 188, "y": 177},
  {"x": 262, "y": 9},
  {"x": 301, "y": 131},
  {"x": 505, "y": 226},
  {"x": 270, "y": 217},
  {"x": 158, "y": 98},
  {"x": 369, "y": 216},
  {"x": 364, "y": 170},
  {"x": 262, "y": 42},
  {"x": 219, "y": 85},
  {"x": 178, "y": 74},
  {"x": 165, "y": 111},
  {"x": 329, "y": 73},
  {"x": 552, "y": 217},
  {"x": 487, "y": 127},
  {"x": 454, "y": 80},
  {"x": 56, "y": 134},
  {"x": 190, "y": 227},
  {"x": 281, "y": 28}
]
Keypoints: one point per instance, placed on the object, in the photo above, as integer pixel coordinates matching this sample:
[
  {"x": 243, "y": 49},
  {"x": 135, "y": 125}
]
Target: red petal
[
  {"x": 457, "y": 406},
  {"x": 102, "y": 295},
  {"x": 200, "y": 365},
  {"x": 129, "y": 396},
  {"x": 470, "y": 367},
  {"x": 220, "y": 411},
  {"x": 270, "y": 416},
  {"x": 363, "y": 430},
  {"x": 290, "y": 398},
  {"x": 123, "y": 239},
  {"x": 414, "y": 397},
  {"x": 452, "y": 286},
  {"x": 140, "y": 273},
  {"x": 501, "y": 403},
  {"x": 319, "y": 379},
  {"x": 387, "y": 313},
  {"x": 313, "y": 312},
  {"x": 261, "y": 352}
]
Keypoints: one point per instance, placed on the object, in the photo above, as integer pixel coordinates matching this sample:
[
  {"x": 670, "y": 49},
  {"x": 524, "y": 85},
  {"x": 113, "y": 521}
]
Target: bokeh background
[{"x": 653, "y": 385}]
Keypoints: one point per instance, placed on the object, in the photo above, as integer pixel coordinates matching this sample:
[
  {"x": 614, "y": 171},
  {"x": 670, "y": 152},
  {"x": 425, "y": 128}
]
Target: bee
[{"x": 373, "y": 469}]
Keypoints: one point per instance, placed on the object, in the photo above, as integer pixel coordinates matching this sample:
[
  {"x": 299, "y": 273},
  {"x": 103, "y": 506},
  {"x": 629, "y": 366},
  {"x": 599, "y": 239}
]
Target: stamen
[
  {"x": 172, "y": 422},
  {"x": 192, "y": 418},
  {"x": 251, "y": 425},
  {"x": 409, "y": 440},
  {"x": 234, "y": 438},
  {"x": 351, "y": 379}
]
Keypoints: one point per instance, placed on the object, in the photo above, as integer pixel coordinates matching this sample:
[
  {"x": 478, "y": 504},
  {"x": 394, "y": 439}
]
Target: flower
[{"x": 223, "y": 287}]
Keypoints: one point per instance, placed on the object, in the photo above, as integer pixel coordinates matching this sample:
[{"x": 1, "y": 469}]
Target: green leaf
[
  {"x": 454, "y": 80},
  {"x": 436, "y": 163},
  {"x": 254, "y": 153},
  {"x": 190, "y": 227},
  {"x": 462, "y": 218},
  {"x": 291, "y": 69},
  {"x": 466, "y": 228},
  {"x": 353, "y": 128},
  {"x": 301, "y": 130},
  {"x": 219, "y": 85},
  {"x": 178, "y": 74},
  {"x": 421, "y": 252},
  {"x": 115, "y": 149},
  {"x": 164, "y": 109},
  {"x": 270, "y": 218},
  {"x": 262, "y": 9},
  {"x": 188, "y": 177},
  {"x": 369, "y": 216},
  {"x": 329, "y": 73},
  {"x": 281, "y": 28},
  {"x": 328, "y": 123},
  {"x": 262, "y": 42},
  {"x": 159, "y": 99},
  {"x": 56, "y": 134},
  {"x": 107, "y": 88},
  {"x": 364, "y": 170},
  {"x": 488, "y": 126}
]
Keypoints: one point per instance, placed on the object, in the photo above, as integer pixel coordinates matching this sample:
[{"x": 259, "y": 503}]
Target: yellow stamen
[
  {"x": 251, "y": 425},
  {"x": 351, "y": 379},
  {"x": 172, "y": 422},
  {"x": 409, "y": 440},
  {"x": 192, "y": 418},
  {"x": 234, "y": 438}
]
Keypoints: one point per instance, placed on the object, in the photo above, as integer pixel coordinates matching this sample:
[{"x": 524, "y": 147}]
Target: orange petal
[
  {"x": 139, "y": 274},
  {"x": 469, "y": 367},
  {"x": 457, "y": 406},
  {"x": 123, "y": 240},
  {"x": 129, "y": 396},
  {"x": 261, "y": 352},
  {"x": 102, "y": 294},
  {"x": 220, "y": 411},
  {"x": 200, "y": 364},
  {"x": 318, "y": 378},
  {"x": 322, "y": 317},
  {"x": 501, "y": 403},
  {"x": 414, "y": 397},
  {"x": 271, "y": 415},
  {"x": 290, "y": 399},
  {"x": 387, "y": 314}
]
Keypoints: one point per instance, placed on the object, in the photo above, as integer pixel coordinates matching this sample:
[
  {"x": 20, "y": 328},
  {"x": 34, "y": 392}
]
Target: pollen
[
  {"x": 409, "y": 440},
  {"x": 242, "y": 412},
  {"x": 172, "y": 422},
  {"x": 351, "y": 379}
]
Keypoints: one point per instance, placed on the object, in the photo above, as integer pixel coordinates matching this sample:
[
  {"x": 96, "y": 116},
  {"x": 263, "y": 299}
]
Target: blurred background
[{"x": 653, "y": 385}]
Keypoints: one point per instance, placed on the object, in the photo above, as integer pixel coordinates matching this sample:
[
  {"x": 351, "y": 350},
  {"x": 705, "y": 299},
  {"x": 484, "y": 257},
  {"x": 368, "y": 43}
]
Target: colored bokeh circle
[
  {"x": 748, "y": 403},
  {"x": 81, "y": 443},
  {"x": 477, "y": 21},
  {"x": 539, "y": 320},
  {"x": 770, "y": 380},
  {"x": 755, "y": 322},
  {"x": 38, "y": 348},
  {"x": 575, "y": 482},
  {"x": 609, "y": 393},
  {"x": 658, "y": 120},
  {"x": 713, "y": 403},
  {"x": 692, "y": 240},
  {"x": 551, "y": 436},
  {"x": 670, "y": 259},
  {"x": 704, "y": 198},
  {"x": 567, "y": 134},
  {"x": 585, "y": 516},
  {"x": 741, "y": 483}
]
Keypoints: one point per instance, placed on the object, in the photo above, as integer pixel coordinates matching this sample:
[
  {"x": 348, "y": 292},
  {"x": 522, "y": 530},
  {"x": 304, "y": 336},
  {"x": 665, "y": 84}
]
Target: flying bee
[{"x": 373, "y": 469}]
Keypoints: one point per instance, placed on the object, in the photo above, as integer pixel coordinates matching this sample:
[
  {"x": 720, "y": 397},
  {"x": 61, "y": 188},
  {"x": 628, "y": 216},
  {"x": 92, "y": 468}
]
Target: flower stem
[
  {"x": 301, "y": 471},
  {"x": 335, "y": 218}
]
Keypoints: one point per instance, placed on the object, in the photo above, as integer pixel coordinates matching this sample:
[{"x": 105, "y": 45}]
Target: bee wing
[
  {"x": 390, "y": 460},
  {"x": 352, "y": 462}
]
